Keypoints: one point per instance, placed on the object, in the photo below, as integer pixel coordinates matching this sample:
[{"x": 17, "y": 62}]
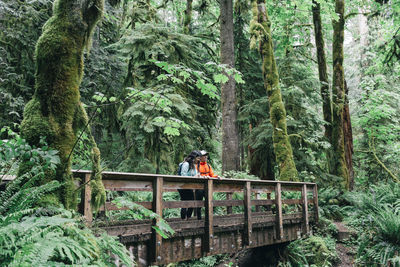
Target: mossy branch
[{"x": 372, "y": 147}]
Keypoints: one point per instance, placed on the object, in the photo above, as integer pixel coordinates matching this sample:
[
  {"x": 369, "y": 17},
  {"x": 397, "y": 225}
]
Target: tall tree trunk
[
  {"x": 188, "y": 16},
  {"x": 240, "y": 11},
  {"x": 338, "y": 163},
  {"x": 260, "y": 26},
  {"x": 348, "y": 138},
  {"x": 230, "y": 136},
  {"x": 322, "y": 70},
  {"x": 55, "y": 111}
]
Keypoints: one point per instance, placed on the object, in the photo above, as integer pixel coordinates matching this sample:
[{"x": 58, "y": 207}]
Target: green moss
[
  {"x": 98, "y": 190},
  {"x": 260, "y": 27},
  {"x": 338, "y": 164},
  {"x": 55, "y": 110}
]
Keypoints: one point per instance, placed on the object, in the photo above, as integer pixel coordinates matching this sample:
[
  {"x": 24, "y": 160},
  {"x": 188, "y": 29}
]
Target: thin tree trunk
[
  {"x": 188, "y": 17},
  {"x": 348, "y": 138},
  {"x": 338, "y": 162},
  {"x": 230, "y": 136},
  {"x": 282, "y": 147},
  {"x": 322, "y": 70}
]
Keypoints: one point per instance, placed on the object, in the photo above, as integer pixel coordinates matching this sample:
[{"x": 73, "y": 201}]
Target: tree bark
[
  {"x": 230, "y": 136},
  {"x": 322, "y": 70},
  {"x": 260, "y": 26},
  {"x": 188, "y": 16},
  {"x": 348, "y": 138},
  {"x": 338, "y": 162},
  {"x": 55, "y": 111}
]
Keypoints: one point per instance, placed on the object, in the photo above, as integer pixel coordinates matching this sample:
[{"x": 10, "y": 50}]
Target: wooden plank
[
  {"x": 112, "y": 206},
  {"x": 157, "y": 208},
  {"x": 315, "y": 202},
  {"x": 262, "y": 188},
  {"x": 199, "y": 203},
  {"x": 229, "y": 208},
  {"x": 167, "y": 178},
  {"x": 278, "y": 203},
  {"x": 306, "y": 226},
  {"x": 126, "y": 185},
  {"x": 262, "y": 202},
  {"x": 86, "y": 198},
  {"x": 227, "y": 203},
  {"x": 292, "y": 201},
  {"x": 247, "y": 214},
  {"x": 289, "y": 187},
  {"x": 209, "y": 219},
  {"x": 183, "y": 204}
]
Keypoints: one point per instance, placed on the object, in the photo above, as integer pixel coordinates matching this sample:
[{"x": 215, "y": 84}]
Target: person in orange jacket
[
  {"x": 203, "y": 167},
  {"x": 205, "y": 170}
]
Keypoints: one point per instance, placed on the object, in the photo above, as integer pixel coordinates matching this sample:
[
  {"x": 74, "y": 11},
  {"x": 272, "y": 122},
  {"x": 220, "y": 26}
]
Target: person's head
[
  {"x": 203, "y": 156},
  {"x": 193, "y": 157}
]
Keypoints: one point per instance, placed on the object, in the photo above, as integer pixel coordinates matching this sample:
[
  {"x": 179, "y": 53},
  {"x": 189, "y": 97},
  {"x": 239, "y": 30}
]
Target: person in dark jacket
[{"x": 188, "y": 168}]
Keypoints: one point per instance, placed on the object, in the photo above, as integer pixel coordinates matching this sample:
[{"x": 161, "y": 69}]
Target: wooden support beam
[
  {"x": 279, "y": 219},
  {"x": 86, "y": 199},
  {"x": 229, "y": 208},
  {"x": 209, "y": 219},
  {"x": 247, "y": 214},
  {"x": 315, "y": 202},
  {"x": 257, "y": 198},
  {"x": 306, "y": 226},
  {"x": 157, "y": 208}
]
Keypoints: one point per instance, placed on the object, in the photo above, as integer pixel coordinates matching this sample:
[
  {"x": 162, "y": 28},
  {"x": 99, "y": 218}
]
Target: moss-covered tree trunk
[
  {"x": 348, "y": 138},
  {"x": 338, "y": 161},
  {"x": 55, "y": 111},
  {"x": 322, "y": 70},
  {"x": 188, "y": 17},
  {"x": 260, "y": 27},
  {"x": 230, "y": 135}
]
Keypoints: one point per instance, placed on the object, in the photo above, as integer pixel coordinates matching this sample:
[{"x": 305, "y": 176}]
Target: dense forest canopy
[{"x": 273, "y": 90}]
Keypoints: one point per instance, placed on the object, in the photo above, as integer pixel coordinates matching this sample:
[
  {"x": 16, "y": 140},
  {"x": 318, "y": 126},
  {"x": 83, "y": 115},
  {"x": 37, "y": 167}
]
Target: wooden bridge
[
  {"x": 239, "y": 214},
  {"x": 252, "y": 213}
]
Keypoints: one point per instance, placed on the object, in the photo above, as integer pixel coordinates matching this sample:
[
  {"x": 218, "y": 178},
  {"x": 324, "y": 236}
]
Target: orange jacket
[{"x": 205, "y": 169}]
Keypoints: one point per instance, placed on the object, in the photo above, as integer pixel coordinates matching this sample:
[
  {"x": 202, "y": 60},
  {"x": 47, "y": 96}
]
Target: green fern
[{"x": 51, "y": 236}]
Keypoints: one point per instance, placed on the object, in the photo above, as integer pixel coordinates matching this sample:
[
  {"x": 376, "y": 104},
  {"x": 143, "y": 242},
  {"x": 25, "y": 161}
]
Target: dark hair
[{"x": 191, "y": 157}]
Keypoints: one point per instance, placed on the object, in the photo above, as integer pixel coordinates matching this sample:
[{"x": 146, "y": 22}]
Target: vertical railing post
[
  {"x": 304, "y": 201},
  {"x": 86, "y": 199},
  {"x": 247, "y": 214},
  {"x": 257, "y": 207},
  {"x": 157, "y": 208},
  {"x": 315, "y": 202},
  {"x": 278, "y": 204},
  {"x": 209, "y": 219},
  {"x": 229, "y": 208}
]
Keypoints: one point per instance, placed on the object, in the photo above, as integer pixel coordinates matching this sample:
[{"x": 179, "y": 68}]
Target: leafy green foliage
[
  {"x": 21, "y": 23},
  {"x": 138, "y": 212},
  {"x": 31, "y": 235},
  {"x": 375, "y": 215},
  {"x": 312, "y": 251}
]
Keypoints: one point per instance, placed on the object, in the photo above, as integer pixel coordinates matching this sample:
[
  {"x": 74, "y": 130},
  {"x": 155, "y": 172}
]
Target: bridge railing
[{"x": 260, "y": 201}]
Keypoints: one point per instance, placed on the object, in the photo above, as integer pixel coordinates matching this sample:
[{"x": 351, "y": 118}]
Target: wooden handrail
[{"x": 252, "y": 190}]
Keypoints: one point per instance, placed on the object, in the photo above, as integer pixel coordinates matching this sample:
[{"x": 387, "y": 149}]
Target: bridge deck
[
  {"x": 238, "y": 214},
  {"x": 252, "y": 213}
]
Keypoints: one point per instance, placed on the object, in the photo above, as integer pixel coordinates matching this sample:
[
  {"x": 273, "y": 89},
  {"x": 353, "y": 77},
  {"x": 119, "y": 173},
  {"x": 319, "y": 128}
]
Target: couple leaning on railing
[{"x": 195, "y": 164}]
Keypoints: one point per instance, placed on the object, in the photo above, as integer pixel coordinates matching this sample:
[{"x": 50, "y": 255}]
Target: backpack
[{"x": 180, "y": 168}]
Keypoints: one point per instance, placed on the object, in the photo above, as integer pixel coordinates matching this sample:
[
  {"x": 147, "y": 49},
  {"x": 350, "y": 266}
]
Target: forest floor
[{"x": 345, "y": 252}]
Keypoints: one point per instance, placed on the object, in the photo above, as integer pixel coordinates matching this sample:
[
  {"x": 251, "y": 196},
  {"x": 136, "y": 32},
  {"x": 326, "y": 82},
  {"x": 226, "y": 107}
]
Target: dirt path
[
  {"x": 344, "y": 252},
  {"x": 346, "y": 257}
]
